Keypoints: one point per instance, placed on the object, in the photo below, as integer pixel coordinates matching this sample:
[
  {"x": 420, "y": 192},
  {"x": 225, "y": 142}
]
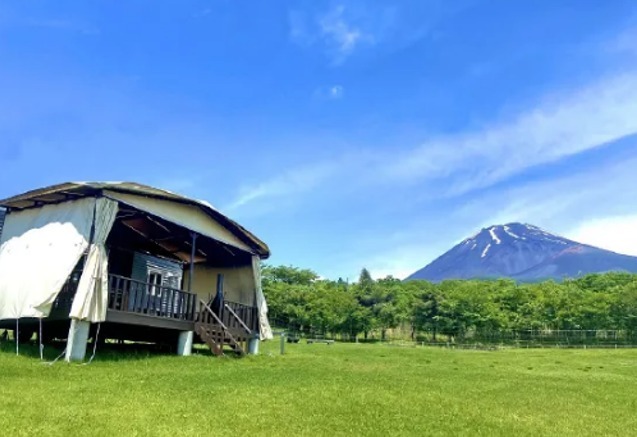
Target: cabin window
[
  {"x": 172, "y": 280},
  {"x": 154, "y": 283}
]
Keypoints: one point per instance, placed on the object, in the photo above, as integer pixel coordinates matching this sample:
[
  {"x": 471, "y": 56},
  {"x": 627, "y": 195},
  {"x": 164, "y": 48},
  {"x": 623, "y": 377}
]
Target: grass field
[{"x": 324, "y": 390}]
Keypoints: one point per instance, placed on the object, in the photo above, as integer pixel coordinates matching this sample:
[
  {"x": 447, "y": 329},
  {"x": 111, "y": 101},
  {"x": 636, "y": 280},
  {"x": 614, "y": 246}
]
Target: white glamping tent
[{"x": 142, "y": 257}]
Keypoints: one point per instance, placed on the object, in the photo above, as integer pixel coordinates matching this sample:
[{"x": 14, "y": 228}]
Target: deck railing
[
  {"x": 130, "y": 295},
  {"x": 240, "y": 316}
]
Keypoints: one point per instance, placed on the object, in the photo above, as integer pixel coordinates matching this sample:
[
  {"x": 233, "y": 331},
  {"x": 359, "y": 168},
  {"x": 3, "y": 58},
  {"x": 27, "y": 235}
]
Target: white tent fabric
[
  {"x": 91, "y": 299},
  {"x": 38, "y": 251},
  {"x": 262, "y": 307}
]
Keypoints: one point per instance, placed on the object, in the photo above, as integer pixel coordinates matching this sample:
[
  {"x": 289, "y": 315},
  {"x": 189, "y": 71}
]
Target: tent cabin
[{"x": 137, "y": 262}]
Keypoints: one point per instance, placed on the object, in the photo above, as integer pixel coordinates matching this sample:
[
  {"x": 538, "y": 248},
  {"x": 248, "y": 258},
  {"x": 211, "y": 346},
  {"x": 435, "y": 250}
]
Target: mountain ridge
[{"x": 524, "y": 252}]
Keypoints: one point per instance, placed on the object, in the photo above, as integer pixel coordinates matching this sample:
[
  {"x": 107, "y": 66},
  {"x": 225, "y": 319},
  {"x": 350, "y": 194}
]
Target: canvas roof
[{"x": 75, "y": 190}]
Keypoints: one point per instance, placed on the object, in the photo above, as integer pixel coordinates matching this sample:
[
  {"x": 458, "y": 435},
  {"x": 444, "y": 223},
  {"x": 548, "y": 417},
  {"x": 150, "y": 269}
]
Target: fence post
[{"x": 282, "y": 343}]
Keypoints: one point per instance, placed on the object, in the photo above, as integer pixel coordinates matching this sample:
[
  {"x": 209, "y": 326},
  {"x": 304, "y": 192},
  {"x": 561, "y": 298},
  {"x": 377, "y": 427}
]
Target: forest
[{"x": 299, "y": 301}]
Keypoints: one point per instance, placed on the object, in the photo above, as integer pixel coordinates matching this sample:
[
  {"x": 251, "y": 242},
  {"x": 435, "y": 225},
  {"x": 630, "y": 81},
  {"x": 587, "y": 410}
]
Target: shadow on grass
[
  {"x": 141, "y": 351},
  {"x": 29, "y": 349},
  {"x": 109, "y": 351}
]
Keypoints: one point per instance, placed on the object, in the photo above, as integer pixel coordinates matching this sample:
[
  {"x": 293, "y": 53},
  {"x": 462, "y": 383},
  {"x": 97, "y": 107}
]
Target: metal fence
[
  {"x": 536, "y": 338},
  {"x": 524, "y": 338}
]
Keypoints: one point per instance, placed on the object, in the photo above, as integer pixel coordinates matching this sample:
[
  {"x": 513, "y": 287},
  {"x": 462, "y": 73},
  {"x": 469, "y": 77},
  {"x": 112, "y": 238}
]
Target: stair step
[{"x": 215, "y": 337}]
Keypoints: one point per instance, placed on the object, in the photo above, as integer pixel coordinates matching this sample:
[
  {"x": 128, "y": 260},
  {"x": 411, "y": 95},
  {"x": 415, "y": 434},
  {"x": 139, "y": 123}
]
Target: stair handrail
[
  {"x": 214, "y": 315},
  {"x": 223, "y": 326},
  {"x": 241, "y": 322}
]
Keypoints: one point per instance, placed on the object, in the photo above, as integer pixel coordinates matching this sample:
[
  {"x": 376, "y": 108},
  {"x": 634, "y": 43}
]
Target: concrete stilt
[
  {"x": 77, "y": 339},
  {"x": 184, "y": 343},
  {"x": 253, "y": 345}
]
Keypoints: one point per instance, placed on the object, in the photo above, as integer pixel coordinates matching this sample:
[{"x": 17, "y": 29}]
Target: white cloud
[
  {"x": 293, "y": 181},
  {"x": 562, "y": 125},
  {"x": 340, "y": 35},
  {"x": 332, "y": 29},
  {"x": 334, "y": 92},
  {"x": 347, "y": 26},
  {"x": 618, "y": 233}
]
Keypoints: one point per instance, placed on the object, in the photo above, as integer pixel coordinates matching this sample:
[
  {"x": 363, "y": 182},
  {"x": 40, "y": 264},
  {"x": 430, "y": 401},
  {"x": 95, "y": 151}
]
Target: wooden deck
[
  {"x": 139, "y": 303},
  {"x": 168, "y": 310}
]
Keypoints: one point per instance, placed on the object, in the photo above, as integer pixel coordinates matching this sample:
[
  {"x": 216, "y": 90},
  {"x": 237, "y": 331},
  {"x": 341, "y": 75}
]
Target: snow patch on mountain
[
  {"x": 508, "y": 231},
  {"x": 494, "y": 236},
  {"x": 485, "y": 251}
]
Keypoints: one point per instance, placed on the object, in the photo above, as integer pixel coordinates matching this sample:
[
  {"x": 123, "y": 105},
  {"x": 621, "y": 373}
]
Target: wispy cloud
[
  {"x": 291, "y": 182},
  {"x": 347, "y": 27},
  {"x": 333, "y": 92},
  {"x": 331, "y": 29},
  {"x": 560, "y": 126},
  {"x": 341, "y": 36}
]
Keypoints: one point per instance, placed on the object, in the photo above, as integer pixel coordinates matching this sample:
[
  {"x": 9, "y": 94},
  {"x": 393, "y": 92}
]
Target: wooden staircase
[{"x": 216, "y": 334}]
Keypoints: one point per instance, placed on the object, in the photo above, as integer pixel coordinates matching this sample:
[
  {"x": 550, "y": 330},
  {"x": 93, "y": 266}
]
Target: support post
[
  {"x": 17, "y": 336},
  {"x": 76, "y": 340},
  {"x": 184, "y": 343},
  {"x": 40, "y": 343},
  {"x": 253, "y": 345},
  {"x": 282, "y": 343},
  {"x": 193, "y": 248}
]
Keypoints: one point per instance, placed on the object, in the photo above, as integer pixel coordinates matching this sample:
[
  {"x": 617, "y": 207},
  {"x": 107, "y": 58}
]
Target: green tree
[{"x": 287, "y": 275}]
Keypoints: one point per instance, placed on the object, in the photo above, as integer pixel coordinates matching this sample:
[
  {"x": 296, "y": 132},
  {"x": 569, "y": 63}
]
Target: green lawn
[{"x": 325, "y": 390}]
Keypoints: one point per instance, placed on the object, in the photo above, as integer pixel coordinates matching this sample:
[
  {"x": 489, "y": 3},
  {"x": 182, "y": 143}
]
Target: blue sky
[{"x": 345, "y": 134}]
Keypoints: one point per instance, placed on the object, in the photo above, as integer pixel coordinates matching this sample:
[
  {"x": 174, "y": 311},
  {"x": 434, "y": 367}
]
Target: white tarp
[
  {"x": 38, "y": 251},
  {"x": 91, "y": 299},
  {"x": 188, "y": 216},
  {"x": 262, "y": 307}
]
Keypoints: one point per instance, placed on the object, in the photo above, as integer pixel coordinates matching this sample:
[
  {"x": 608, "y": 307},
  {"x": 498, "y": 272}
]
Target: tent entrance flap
[
  {"x": 38, "y": 251},
  {"x": 91, "y": 298},
  {"x": 265, "y": 332}
]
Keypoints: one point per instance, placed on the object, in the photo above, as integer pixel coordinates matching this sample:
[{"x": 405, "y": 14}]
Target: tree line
[{"x": 300, "y": 301}]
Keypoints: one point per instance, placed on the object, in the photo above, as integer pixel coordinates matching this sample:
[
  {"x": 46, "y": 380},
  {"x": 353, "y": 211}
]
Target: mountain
[{"x": 523, "y": 252}]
